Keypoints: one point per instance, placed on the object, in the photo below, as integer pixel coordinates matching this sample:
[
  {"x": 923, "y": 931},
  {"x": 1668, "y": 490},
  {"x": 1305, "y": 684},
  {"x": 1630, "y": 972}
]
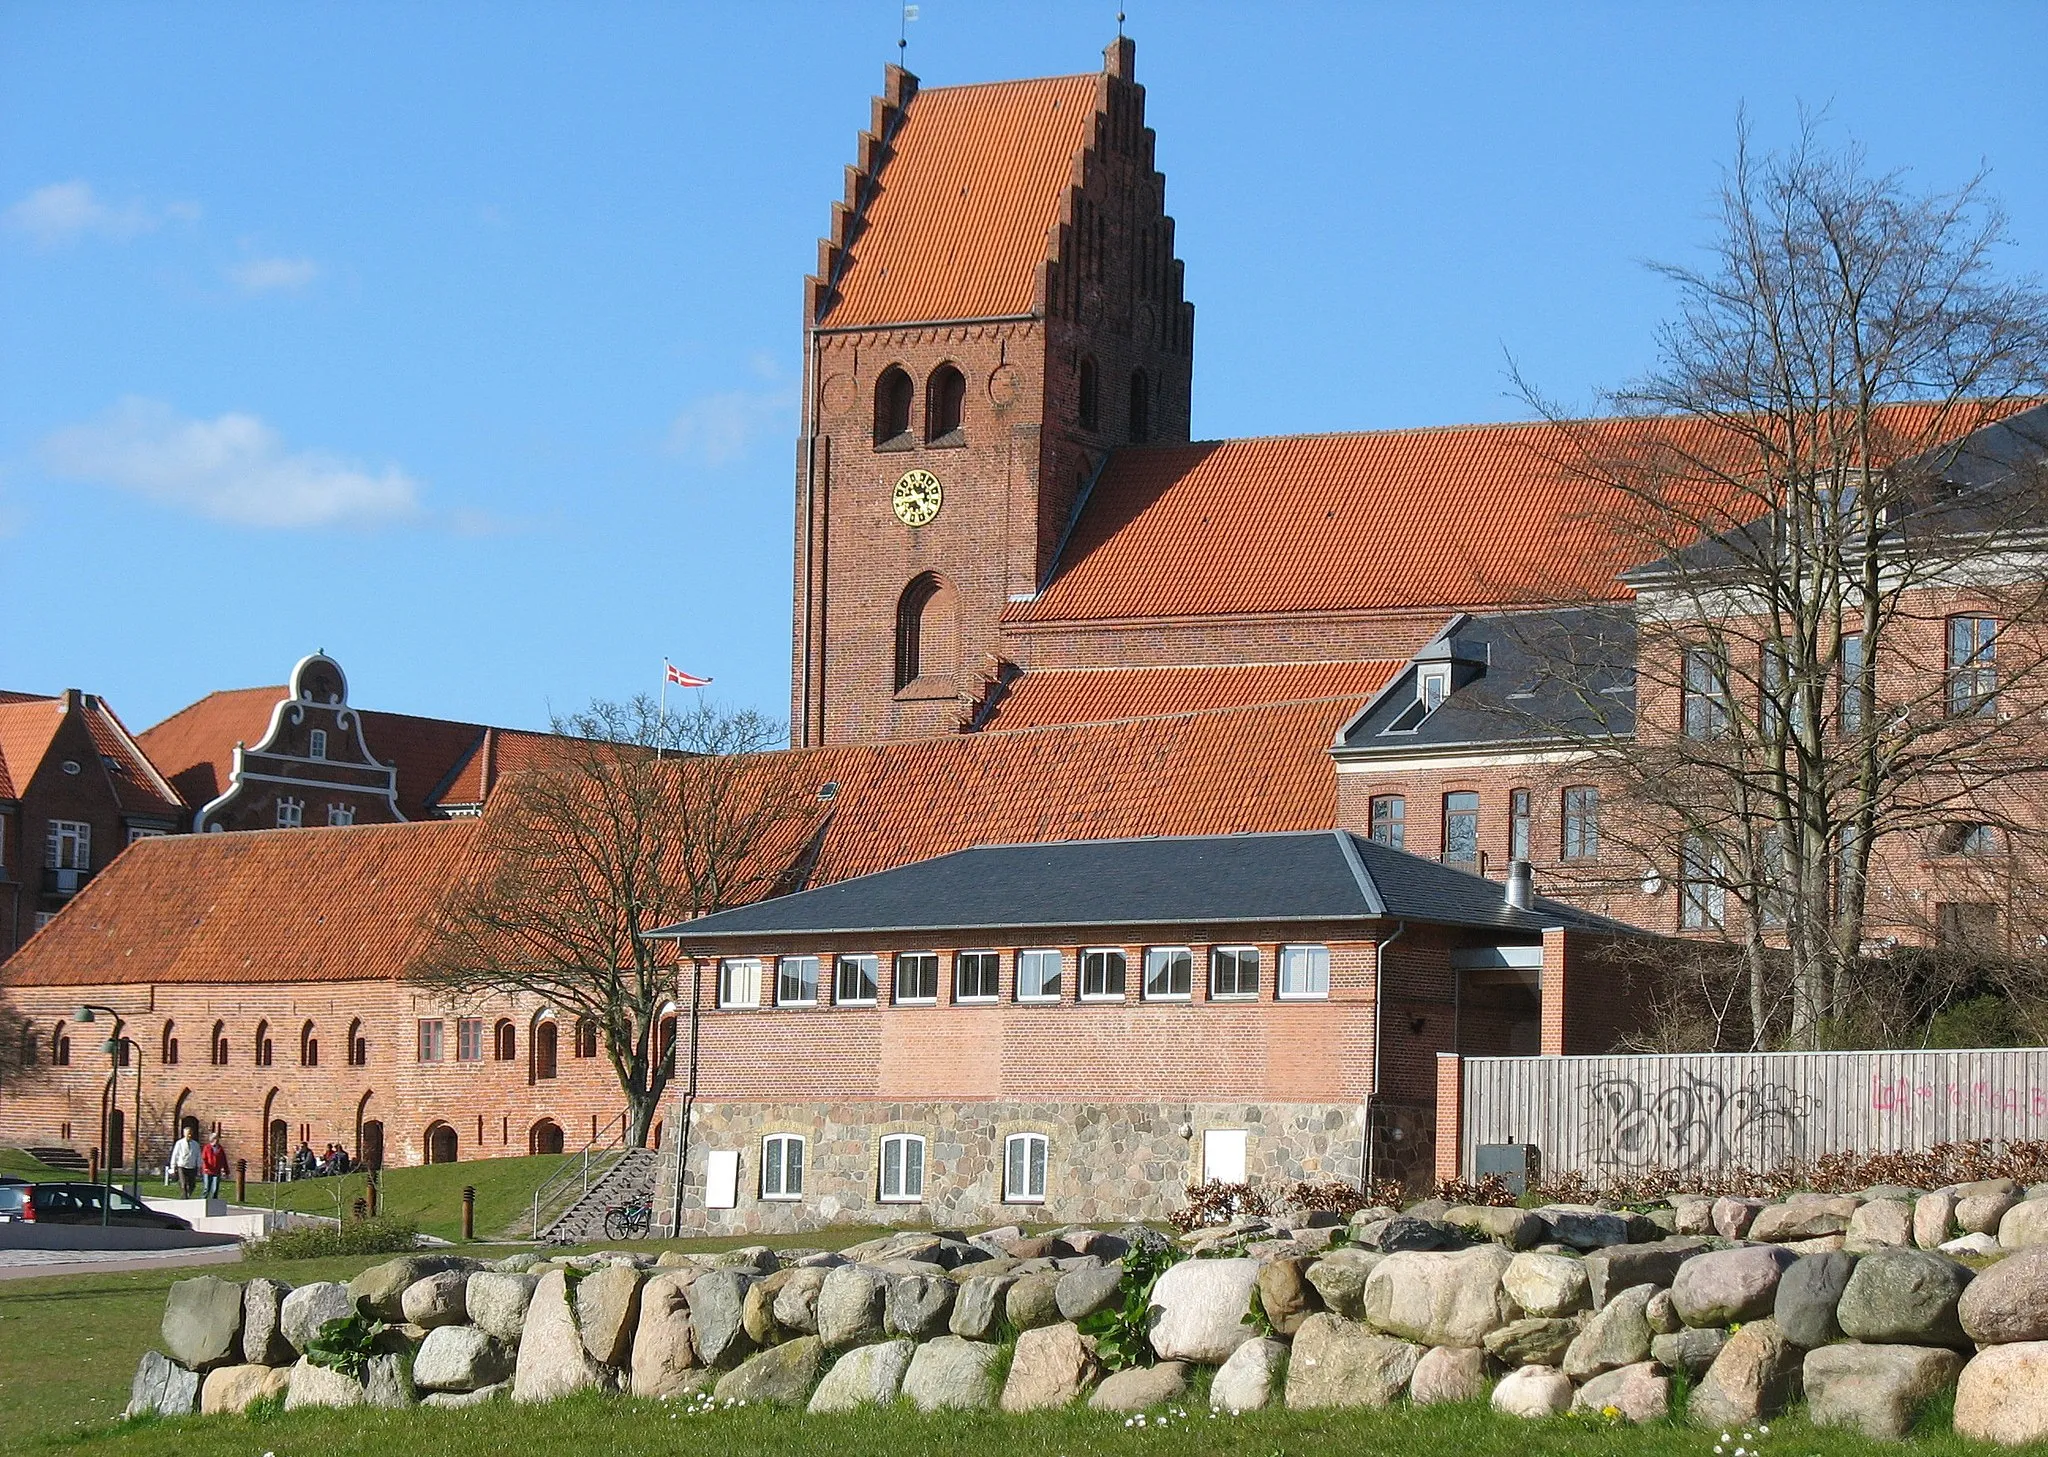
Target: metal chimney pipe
[{"x": 1521, "y": 885}]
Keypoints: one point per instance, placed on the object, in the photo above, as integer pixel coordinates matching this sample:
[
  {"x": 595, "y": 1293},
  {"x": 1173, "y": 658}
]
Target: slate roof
[
  {"x": 1097, "y": 695},
  {"x": 1315, "y": 876}
]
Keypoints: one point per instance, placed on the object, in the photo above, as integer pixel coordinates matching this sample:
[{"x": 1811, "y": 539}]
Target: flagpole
[{"x": 662, "y": 732}]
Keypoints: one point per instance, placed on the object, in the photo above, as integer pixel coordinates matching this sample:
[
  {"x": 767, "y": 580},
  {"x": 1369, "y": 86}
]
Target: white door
[
  {"x": 1223, "y": 1155},
  {"x": 722, "y": 1178}
]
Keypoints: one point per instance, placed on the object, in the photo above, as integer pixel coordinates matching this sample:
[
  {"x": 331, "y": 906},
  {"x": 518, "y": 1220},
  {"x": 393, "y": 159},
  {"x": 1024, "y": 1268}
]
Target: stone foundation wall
[{"x": 1105, "y": 1163}]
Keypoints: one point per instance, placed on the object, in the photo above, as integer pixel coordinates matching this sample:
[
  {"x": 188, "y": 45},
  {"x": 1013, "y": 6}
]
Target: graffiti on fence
[{"x": 1694, "y": 1123}]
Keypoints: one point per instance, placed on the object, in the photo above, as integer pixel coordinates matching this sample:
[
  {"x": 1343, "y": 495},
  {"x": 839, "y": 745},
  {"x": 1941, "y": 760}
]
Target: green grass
[
  {"x": 430, "y": 1195},
  {"x": 17, "y": 1162}
]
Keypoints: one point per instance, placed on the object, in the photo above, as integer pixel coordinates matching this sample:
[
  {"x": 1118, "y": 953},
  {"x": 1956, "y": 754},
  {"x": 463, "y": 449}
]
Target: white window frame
[
  {"x": 739, "y": 982},
  {"x": 144, "y": 832},
  {"x": 1026, "y": 1195},
  {"x": 1291, "y": 959},
  {"x": 316, "y": 744},
  {"x": 1037, "y": 956},
  {"x": 871, "y": 964},
  {"x": 978, "y": 998},
  {"x": 1091, "y": 955},
  {"x": 902, "y": 1145},
  {"x": 776, "y": 1184},
  {"x": 1216, "y": 953},
  {"x": 1169, "y": 995},
  {"x": 783, "y": 968},
  {"x": 1432, "y": 687},
  {"x": 341, "y": 815},
  {"x": 918, "y": 999},
  {"x": 291, "y": 813},
  {"x": 72, "y": 838}
]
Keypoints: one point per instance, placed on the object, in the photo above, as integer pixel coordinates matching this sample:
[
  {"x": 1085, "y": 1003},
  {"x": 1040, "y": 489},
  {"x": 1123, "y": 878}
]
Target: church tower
[{"x": 998, "y": 306}]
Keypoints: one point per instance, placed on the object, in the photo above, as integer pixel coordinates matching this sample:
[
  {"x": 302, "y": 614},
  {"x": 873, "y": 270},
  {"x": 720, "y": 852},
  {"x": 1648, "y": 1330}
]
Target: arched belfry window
[
  {"x": 924, "y": 630},
  {"x": 945, "y": 397},
  {"x": 892, "y": 405},
  {"x": 1090, "y": 412},
  {"x": 1141, "y": 406}
]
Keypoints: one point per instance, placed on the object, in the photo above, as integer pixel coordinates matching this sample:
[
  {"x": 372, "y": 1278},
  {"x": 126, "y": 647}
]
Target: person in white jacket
[{"x": 185, "y": 1159}]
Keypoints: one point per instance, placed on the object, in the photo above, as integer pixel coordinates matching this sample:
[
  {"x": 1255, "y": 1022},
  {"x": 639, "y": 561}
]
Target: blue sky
[{"x": 462, "y": 340}]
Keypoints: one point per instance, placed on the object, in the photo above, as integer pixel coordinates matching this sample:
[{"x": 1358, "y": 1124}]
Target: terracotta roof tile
[
  {"x": 26, "y": 728},
  {"x": 1101, "y": 695},
  {"x": 139, "y": 787},
  {"x": 963, "y": 212}
]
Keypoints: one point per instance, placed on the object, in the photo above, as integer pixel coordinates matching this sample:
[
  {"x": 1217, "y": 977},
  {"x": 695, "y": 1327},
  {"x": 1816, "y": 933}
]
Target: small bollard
[
  {"x": 94, "y": 1175},
  {"x": 362, "y": 1209},
  {"x": 469, "y": 1211},
  {"x": 372, "y": 1192},
  {"x": 241, "y": 1181}
]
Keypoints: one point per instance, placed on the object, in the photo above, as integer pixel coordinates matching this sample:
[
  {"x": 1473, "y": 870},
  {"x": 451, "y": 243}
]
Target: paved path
[{"x": 36, "y": 1264}]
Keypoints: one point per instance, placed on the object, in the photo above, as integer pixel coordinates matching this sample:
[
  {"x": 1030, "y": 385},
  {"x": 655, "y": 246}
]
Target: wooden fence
[{"x": 1699, "y": 1112}]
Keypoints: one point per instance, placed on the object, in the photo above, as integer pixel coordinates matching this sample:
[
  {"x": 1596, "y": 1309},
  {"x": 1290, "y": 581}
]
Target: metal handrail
[{"x": 578, "y": 1165}]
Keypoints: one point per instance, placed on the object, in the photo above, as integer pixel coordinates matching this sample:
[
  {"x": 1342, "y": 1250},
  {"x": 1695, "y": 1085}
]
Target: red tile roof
[
  {"x": 28, "y": 724},
  {"x": 139, "y": 786},
  {"x": 963, "y": 213},
  {"x": 1098, "y": 695},
  {"x": 26, "y": 727}
]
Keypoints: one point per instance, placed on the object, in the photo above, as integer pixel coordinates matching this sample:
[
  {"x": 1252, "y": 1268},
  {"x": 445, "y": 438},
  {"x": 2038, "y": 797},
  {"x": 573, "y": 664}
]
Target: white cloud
[
  {"x": 720, "y": 428},
  {"x": 65, "y": 211},
  {"x": 233, "y": 468},
  {"x": 273, "y": 275}
]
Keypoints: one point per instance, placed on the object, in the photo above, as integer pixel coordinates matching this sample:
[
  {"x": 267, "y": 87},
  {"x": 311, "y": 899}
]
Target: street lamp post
[{"x": 88, "y": 1012}]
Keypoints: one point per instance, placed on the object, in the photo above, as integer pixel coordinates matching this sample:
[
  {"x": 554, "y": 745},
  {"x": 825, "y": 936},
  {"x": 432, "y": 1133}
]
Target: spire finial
[
  {"x": 1119, "y": 25},
  {"x": 903, "y": 34}
]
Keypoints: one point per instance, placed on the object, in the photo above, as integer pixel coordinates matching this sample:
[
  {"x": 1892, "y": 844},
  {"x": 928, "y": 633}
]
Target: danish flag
[{"x": 679, "y": 677}]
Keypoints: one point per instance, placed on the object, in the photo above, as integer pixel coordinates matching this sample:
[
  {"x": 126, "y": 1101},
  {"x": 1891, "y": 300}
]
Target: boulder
[
  {"x": 2009, "y": 1301},
  {"x": 1970, "y": 1244},
  {"x": 1726, "y": 1286},
  {"x": 384, "y": 1383},
  {"x": 1339, "y": 1280},
  {"x": 1904, "y": 1297},
  {"x": 1662, "y": 1314},
  {"x": 1882, "y": 1224},
  {"x": 1285, "y": 1294},
  {"x": 1617, "y": 1335},
  {"x": 1692, "y": 1215},
  {"x": 1620, "y": 1267},
  {"x": 301, "y": 1314},
  {"x": 978, "y": 1308},
  {"x": 1732, "y": 1217},
  {"x": 1515, "y": 1228},
  {"x": 1337, "y": 1362},
  {"x": 1034, "y": 1300},
  {"x": 460, "y": 1358},
  {"x": 552, "y": 1359},
  {"x": 1083, "y": 1292},
  {"x": 1532, "y": 1341},
  {"x": 718, "y": 1301},
  {"x": 2026, "y": 1223},
  {"x": 1783, "y": 1223},
  {"x": 1808, "y": 1294},
  {"x": 1548, "y": 1285},
  {"x": 380, "y": 1290},
  {"x": 1140, "y": 1388},
  {"x": 1753, "y": 1378},
  {"x": 864, "y": 1376},
  {"x": 1635, "y": 1393},
  {"x": 1988, "y": 1186},
  {"x": 234, "y": 1389},
  {"x": 948, "y": 1372},
  {"x": 263, "y": 1340},
  {"x": 1408, "y": 1232},
  {"x": 664, "y": 1352},
  {"x": 1250, "y": 1379},
  {"x": 1052, "y": 1366},
  {"x": 162, "y": 1386},
  {"x": 2002, "y": 1395},
  {"x": 1449, "y": 1299},
  {"x": 1448, "y": 1374},
  {"x": 460, "y": 1400},
  {"x": 202, "y": 1326},
  {"x": 608, "y": 1310},
  {"x": 497, "y": 1301},
  {"x": 783, "y": 1375},
  {"x": 796, "y": 1301},
  {"x": 1203, "y": 1309},
  {"x": 1583, "y": 1227},
  {"x": 1982, "y": 1213},
  {"x": 1934, "y": 1218},
  {"x": 1691, "y": 1351},
  {"x": 1879, "y": 1390},
  {"x": 437, "y": 1300},
  {"x": 1534, "y": 1392},
  {"x": 919, "y": 1306}
]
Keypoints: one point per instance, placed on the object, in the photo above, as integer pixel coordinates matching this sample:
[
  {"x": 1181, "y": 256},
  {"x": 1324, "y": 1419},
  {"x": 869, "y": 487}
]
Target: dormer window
[
  {"x": 316, "y": 744},
  {"x": 1432, "y": 687}
]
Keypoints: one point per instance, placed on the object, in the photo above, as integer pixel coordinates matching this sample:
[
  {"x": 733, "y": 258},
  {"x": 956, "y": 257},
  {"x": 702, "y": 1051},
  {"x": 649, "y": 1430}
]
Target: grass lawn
[
  {"x": 430, "y": 1195},
  {"x": 17, "y": 1162}
]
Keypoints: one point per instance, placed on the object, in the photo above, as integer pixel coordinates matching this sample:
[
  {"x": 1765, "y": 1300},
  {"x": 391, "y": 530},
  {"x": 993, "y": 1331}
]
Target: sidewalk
[{"x": 36, "y": 1264}]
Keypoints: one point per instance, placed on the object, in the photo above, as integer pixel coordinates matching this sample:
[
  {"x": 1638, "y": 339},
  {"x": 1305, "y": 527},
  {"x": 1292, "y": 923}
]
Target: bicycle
[{"x": 630, "y": 1220}]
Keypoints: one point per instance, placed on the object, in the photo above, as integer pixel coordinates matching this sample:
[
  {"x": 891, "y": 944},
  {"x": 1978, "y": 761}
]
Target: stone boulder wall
[
  {"x": 460, "y": 1358},
  {"x": 664, "y": 1353},
  {"x": 263, "y": 1338},
  {"x": 1548, "y": 1285},
  {"x": 1053, "y": 1365},
  {"x": 1203, "y": 1309},
  {"x": 1250, "y": 1379},
  {"x": 864, "y": 1376},
  {"x": 1879, "y": 1390},
  {"x": 380, "y": 1290},
  {"x": 1338, "y": 1279},
  {"x": 497, "y": 1302},
  {"x": 1727, "y": 1286},
  {"x": 1336, "y": 1362},
  {"x": 1809, "y": 1293},
  {"x": 1640, "y": 1392},
  {"x": 2002, "y": 1395},
  {"x": 552, "y": 1360},
  {"x": 2026, "y": 1223},
  {"x": 228, "y": 1390},
  {"x": 163, "y": 1388},
  {"x": 782, "y": 1375},
  {"x": 202, "y": 1325},
  {"x": 1904, "y": 1297},
  {"x": 1755, "y": 1377},
  {"x": 1439, "y": 1299},
  {"x": 1617, "y": 1335},
  {"x": 2008, "y": 1302}
]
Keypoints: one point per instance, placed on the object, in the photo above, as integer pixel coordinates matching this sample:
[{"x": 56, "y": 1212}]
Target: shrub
[{"x": 383, "y": 1235}]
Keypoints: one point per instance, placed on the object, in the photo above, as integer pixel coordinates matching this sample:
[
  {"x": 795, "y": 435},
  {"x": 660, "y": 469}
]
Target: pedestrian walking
[
  {"x": 185, "y": 1158},
  {"x": 213, "y": 1162}
]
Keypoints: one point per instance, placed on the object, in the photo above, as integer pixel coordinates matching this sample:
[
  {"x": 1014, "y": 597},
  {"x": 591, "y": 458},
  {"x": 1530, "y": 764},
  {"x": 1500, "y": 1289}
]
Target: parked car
[{"x": 81, "y": 1204}]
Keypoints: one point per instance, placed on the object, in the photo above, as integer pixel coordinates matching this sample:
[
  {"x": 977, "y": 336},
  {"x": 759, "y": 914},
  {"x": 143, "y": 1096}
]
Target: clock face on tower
[{"x": 917, "y": 498}]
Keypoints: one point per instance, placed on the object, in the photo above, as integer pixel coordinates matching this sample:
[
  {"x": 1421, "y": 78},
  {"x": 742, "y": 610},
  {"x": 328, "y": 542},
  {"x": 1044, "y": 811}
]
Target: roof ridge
[{"x": 924, "y": 90}]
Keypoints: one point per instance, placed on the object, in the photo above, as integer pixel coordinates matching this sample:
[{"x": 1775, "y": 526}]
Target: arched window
[
  {"x": 440, "y": 1144},
  {"x": 30, "y": 1055},
  {"x": 60, "y": 1047},
  {"x": 1089, "y": 411},
  {"x": 358, "y": 1045},
  {"x": 1141, "y": 406},
  {"x": 504, "y": 1041},
  {"x": 219, "y": 1053},
  {"x": 264, "y": 1051},
  {"x": 892, "y": 405},
  {"x": 945, "y": 398},
  {"x": 924, "y": 630},
  {"x": 586, "y": 1037},
  {"x": 665, "y": 1041},
  {"x": 309, "y": 1047},
  {"x": 170, "y": 1044},
  {"x": 546, "y": 1040}
]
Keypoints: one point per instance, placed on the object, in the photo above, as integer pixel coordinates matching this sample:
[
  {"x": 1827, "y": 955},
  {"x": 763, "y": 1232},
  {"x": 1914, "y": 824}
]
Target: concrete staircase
[
  {"x": 68, "y": 1159},
  {"x": 632, "y": 1177}
]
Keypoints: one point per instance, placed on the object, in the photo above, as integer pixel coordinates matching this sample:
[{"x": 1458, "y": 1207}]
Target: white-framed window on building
[
  {"x": 291, "y": 813},
  {"x": 1702, "y": 898},
  {"x": 1703, "y": 696},
  {"x": 1304, "y": 973},
  {"x": 902, "y": 1179},
  {"x": 1461, "y": 827},
  {"x": 1519, "y": 819},
  {"x": 1432, "y": 687},
  {"x": 1390, "y": 820},
  {"x": 796, "y": 981},
  {"x": 145, "y": 832},
  {"x": 1849, "y": 714},
  {"x": 1581, "y": 822},
  {"x": 316, "y": 744},
  {"x": 1169, "y": 973},
  {"x": 430, "y": 1039},
  {"x": 1102, "y": 975},
  {"x": 917, "y": 976},
  {"x": 341, "y": 814},
  {"x": 1038, "y": 976},
  {"x": 856, "y": 980},
  {"x": 43, "y": 918},
  {"x": 739, "y": 981},
  {"x": 469, "y": 1039},
  {"x": 1024, "y": 1168},
  {"x": 977, "y": 976},
  {"x": 1972, "y": 667},
  {"x": 782, "y": 1166},
  {"x": 1234, "y": 973},
  {"x": 68, "y": 846}
]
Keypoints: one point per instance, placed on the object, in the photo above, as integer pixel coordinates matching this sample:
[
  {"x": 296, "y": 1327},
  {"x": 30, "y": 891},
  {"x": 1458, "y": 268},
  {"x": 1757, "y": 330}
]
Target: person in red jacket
[{"x": 213, "y": 1162}]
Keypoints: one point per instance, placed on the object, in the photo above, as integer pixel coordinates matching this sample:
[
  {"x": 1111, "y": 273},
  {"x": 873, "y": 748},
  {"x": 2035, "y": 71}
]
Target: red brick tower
[{"x": 997, "y": 307}]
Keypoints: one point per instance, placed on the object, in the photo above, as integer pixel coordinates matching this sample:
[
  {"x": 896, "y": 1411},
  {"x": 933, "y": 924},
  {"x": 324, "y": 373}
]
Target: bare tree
[
  {"x": 636, "y": 819},
  {"x": 1843, "y": 579}
]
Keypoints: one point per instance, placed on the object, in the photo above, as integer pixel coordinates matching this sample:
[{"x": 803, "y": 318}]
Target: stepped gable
[{"x": 1098, "y": 695}]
